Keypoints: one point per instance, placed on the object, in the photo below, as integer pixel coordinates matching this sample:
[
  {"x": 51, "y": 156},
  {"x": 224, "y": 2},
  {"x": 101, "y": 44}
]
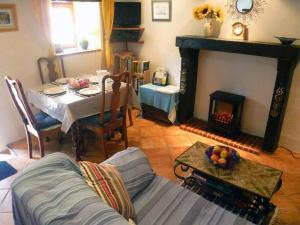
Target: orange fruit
[
  {"x": 214, "y": 157},
  {"x": 222, "y": 161}
]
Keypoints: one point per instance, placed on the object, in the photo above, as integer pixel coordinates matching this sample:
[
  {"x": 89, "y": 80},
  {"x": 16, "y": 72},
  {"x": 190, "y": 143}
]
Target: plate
[
  {"x": 62, "y": 80},
  {"x": 89, "y": 91},
  {"x": 54, "y": 91}
]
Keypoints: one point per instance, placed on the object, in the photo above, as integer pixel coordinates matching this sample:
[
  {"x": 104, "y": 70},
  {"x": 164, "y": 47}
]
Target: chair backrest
[
  {"x": 115, "y": 107},
  {"x": 51, "y": 63},
  {"x": 17, "y": 94}
]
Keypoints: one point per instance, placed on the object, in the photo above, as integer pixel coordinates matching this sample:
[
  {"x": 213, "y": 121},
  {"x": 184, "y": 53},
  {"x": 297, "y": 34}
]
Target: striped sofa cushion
[
  {"x": 107, "y": 182},
  {"x": 164, "y": 202},
  {"x": 134, "y": 168}
]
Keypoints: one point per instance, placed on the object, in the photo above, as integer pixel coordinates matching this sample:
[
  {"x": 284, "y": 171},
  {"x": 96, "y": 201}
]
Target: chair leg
[
  {"x": 61, "y": 137},
  {"x": 130, "y": 117},
  {"x": 124, "y": 134},
  {"x": 41, "y": 145},
  {"x": 102, "y": 144},
  {"x": 29, "y": 143}
]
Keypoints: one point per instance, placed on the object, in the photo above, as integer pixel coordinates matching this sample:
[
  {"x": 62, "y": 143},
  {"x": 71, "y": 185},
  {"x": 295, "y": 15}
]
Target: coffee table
[{"x": 247, "y": 186}]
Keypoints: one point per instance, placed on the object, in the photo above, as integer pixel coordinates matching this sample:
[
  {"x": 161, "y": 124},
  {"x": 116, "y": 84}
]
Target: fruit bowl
[{"x": 222, "y": 156}]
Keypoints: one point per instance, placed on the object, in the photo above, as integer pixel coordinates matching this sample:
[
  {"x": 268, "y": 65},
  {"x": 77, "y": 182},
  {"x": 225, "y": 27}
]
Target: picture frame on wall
[
  {"x": 8, "y": 17},
  {"x": 161, "y": 10}
]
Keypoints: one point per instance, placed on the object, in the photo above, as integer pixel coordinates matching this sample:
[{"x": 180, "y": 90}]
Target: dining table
[{"x": 70, "y": 106}]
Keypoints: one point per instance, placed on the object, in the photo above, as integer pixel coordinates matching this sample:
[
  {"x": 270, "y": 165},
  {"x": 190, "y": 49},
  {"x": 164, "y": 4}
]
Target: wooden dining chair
[
  {"x": 107, "y": 122},
  {"x": 124, "y": 59},
  {"x": 40, "y": 125},
  {"x": 51, "y": 63}
]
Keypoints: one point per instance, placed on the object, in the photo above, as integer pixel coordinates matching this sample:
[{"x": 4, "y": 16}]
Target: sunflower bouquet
[{"x": 206, "y": 11}]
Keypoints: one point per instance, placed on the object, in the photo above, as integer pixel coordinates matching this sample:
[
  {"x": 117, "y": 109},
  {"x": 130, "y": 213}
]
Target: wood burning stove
[{"x": 225, "y": 112}]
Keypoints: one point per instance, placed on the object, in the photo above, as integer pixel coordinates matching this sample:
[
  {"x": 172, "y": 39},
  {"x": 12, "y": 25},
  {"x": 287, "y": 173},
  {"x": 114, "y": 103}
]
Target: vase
[
  {"x": 84, "y": 44},
  {"x": 212, "y": 28}
]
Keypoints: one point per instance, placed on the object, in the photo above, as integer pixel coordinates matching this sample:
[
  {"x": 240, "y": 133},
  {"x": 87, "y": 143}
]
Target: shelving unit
[
  {"x": 138, "y": 69},
  {"x": 129, "y": 28},
  {"x": 127, "y": 35},
  {"x": 135, "y": 42}
]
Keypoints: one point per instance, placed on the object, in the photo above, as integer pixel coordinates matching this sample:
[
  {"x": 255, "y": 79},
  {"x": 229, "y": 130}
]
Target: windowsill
[{"x": 75, "y": 51}]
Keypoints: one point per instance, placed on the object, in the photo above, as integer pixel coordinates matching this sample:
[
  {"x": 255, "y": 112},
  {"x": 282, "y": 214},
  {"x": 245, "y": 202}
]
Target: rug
[
  {"x": 242, "y": 141},
  {"x": 6, "y": 170}
]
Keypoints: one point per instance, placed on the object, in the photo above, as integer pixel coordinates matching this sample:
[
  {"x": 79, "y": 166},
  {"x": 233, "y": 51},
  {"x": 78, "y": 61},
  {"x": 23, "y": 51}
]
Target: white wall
[
  {"x": 248, "y": 75},
  {"x": 18, "y": 55}
]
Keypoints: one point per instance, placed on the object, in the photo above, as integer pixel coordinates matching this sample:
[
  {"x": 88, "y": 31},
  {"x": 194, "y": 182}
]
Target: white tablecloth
[{"x": 70, "y": 107}]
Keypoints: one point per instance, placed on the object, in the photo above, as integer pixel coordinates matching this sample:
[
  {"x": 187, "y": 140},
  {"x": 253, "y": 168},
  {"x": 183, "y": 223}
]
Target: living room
[{"x": 239, "y": 55}]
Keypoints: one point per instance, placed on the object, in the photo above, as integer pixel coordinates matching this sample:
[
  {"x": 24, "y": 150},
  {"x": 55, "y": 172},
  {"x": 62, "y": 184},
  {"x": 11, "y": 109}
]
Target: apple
[{"x": 224, "y": 154}]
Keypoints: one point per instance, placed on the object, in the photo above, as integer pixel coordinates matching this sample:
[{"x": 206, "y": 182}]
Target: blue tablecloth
[{"x": 149, "y": 94}]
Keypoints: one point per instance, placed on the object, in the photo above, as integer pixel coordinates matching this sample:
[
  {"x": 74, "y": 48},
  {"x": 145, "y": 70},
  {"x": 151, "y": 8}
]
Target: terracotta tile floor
[{"x": 162, "y": 144}]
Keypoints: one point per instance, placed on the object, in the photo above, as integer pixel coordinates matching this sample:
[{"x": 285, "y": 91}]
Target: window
[{"x": 72, "y": 22}]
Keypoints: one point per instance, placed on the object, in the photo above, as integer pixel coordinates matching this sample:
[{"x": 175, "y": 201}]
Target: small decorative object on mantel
[
  {"x": 8, "y": 17},
  {"x": 286, "y": 40},
  {"x": 239, "y": 31},
  {"x": 214, "y": 18},
  {"x": 222, "y": 156},
  {"x": 244, "y": 12}
]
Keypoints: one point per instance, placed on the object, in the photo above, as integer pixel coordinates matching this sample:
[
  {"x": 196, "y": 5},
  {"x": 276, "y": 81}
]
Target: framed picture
[
  {"x": 8, "y": 17},
  {"x": 161, "y": 10}
]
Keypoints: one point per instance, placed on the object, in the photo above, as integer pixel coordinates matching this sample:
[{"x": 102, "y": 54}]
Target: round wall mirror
[{"x": 244, "y": 6}]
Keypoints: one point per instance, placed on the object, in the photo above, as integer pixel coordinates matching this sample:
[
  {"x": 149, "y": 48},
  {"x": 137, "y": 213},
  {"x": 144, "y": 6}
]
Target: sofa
[{"x": 52, "y": 191}]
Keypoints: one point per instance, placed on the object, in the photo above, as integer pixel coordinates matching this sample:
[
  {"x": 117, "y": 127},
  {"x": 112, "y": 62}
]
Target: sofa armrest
[{"x": 134, "y": 168}]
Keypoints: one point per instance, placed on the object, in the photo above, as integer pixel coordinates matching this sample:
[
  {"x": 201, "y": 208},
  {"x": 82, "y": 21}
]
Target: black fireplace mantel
[{"x": 287, "y": 59}]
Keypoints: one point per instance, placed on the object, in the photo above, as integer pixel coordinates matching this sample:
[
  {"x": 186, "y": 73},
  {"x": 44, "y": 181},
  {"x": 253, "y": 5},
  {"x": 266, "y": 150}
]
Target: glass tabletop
[{"x": 248, "y": 175}]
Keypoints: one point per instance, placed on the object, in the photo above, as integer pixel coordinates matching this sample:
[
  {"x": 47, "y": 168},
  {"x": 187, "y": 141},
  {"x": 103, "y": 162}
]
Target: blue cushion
[
  {"x": 95, "y": 120},
  {"x": 45, "y": 121}
]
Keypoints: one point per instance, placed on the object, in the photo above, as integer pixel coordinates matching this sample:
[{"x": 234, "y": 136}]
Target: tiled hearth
[
  {"x": 242, "y": 141},
  {"x": 163, "y": 144}
]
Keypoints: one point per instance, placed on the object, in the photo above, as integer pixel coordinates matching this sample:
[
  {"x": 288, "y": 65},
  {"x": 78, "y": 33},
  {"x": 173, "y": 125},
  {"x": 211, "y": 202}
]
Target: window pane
[
  {"x": 73, "y": 22},
  {"x": 88, "y": 26},
  {"x": 62, "y": 22}
]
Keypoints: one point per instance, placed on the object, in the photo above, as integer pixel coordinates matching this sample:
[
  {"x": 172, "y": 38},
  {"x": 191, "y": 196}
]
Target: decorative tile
[
  {"x": 6, "y": 219},
  {"x": 6, "y": 206}
]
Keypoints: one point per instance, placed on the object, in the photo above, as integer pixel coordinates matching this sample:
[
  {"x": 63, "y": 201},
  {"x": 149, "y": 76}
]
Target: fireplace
[
  {"x": 225, "y": 112},
  {"x": 287, "y": 59}
]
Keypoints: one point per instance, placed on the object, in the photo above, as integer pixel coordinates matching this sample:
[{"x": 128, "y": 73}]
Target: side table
[{"x": 246, "y": 189}]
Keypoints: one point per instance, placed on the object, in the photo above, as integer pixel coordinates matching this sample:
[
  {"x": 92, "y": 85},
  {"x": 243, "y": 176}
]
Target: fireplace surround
[{"x": 287, "y": 59}]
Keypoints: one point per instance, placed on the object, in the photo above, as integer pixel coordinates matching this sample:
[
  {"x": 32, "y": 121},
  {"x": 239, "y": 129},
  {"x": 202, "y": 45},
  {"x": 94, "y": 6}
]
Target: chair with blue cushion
[
  {"x": 115, "y": 118},
  {"x": 40, "y": 125}
]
